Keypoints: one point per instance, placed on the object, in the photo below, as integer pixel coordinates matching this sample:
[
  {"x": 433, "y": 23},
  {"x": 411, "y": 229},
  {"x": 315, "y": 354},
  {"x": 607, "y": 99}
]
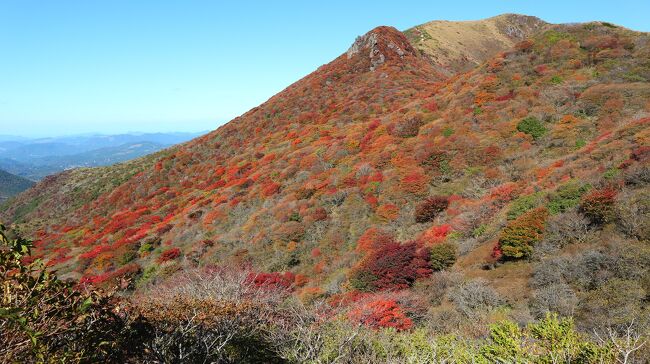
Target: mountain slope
[
  {"x": 324, "y": 177},
  {"x": 11, "y": 185}
]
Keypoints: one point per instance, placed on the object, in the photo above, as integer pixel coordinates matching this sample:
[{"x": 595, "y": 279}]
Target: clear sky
[{"x": 135, "y": 65}]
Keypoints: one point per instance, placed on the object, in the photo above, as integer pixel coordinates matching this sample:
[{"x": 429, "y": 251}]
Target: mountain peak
[{"x": 381, "y": 44}]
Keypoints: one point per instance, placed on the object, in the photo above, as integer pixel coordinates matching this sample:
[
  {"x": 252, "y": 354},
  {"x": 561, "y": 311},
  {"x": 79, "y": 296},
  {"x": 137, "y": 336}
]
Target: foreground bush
[
  {"x": 222, "y": 316},
  {"x": 43, "y": 319},
  {"x": 210, "y": 315}
]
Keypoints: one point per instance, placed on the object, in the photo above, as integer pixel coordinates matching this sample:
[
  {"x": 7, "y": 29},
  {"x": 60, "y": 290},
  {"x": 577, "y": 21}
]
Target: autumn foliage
[
  {"x": 520, "y": 236},
  {"x": 428, "y": 209},
  {"x": 169, "y": 254},
  {"x": 381, "y": 313},
  {"x": 273, "y": 280},
  {"x": 391, "y": 266},
  {"x": 598, "y": 205}
]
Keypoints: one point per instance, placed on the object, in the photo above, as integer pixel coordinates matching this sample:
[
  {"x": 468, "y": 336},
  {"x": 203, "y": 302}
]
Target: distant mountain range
[{"x": 36, "y": 158}]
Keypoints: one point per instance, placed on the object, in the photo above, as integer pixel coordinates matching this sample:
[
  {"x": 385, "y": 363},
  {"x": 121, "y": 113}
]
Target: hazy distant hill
[
  {"x": 37, "y": 158},
  {"x": 11, "y": 185}
]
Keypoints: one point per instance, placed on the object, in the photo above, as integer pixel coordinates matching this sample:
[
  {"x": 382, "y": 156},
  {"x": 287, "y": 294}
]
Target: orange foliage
[{"x": 381, "y": 314}]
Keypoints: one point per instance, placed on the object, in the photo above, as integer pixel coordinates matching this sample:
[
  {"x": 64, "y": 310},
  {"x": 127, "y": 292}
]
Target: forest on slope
[{"x": 397, "y": 196}]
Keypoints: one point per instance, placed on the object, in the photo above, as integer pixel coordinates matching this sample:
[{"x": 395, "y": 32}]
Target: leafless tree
[{"x": 625, "y": 342}]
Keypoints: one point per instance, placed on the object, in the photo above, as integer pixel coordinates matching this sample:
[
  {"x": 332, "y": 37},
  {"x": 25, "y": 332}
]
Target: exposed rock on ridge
[{"x": 380, "y": 45}]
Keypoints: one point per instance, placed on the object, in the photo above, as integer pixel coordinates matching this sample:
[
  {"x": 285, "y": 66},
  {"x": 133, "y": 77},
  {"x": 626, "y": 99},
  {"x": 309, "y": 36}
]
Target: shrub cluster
[
  {"x": 223, "y": 316},
  {"x": 519, "y": 236},
  {"x": 46, "y": 320},
  {"x": 443, "y": 256},
  {"x": 169, "y": 254},
  {"x": 391, "y": 266},
  {"x": 428, "y": 209},
  {"x": 381, "y": 313},
  {"x": 532, "y": 126},
  {"x": 598, "y": 205},
  {"x": 407, "y": 128},
  {"x": 566, "y": 197}
]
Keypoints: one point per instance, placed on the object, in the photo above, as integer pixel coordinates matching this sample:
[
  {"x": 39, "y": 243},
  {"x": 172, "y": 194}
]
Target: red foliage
[
  {"x": 430, "y": 207},
  {"x": 496, "y": 252},
  {"x": 272, "y": 280},
  {"x": 431, "y": 106},
  {"x": 504, "y": 193},
  {"x": 125, "y": 271},
  {"x": 270, "y": 189},
  {"x": 388, "y": 211},
  {"x": 415, "y": 183},
  {"x": 373, "y": 125},
  {"x": 509, "y": 96},
  {"x": 371, "y": 200},
  {"x": 435, "y": 234},
  {"x": 374, "y": 239},
  {"x": 319, "y": 214},
  {"x": 598, "y": 205},
  {"x": 381, "y": 314},
  {"x": 169, "y": 254},
  {"x": 392, "y": 266},
  {"x": 95, "y": 252}
]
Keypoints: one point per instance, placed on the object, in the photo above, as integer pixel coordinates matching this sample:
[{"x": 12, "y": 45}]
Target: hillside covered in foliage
[{"x": 403, "y": 194}]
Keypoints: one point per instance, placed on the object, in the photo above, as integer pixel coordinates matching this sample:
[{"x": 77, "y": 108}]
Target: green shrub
[
  {"x": 480, "y": 230},
  {"x": 128, "y": 257},
  {"x": 566, "y": 196},
  {"x": 506, "y": 344},
  {"x": 443, "y": 256},
  {"x": 524, "y": 203},
  {"x": 611, "y": 173},
  {"x": 532, "y": 126},
  {"x": 519, "y": 237}
]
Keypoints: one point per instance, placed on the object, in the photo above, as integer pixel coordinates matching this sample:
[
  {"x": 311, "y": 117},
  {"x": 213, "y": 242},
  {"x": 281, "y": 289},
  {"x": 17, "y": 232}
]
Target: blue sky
[{"x": 112, "y": 66}]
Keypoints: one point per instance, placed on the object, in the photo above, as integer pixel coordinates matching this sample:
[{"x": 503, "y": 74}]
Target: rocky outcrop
[{"x": 381, "y": 45}]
